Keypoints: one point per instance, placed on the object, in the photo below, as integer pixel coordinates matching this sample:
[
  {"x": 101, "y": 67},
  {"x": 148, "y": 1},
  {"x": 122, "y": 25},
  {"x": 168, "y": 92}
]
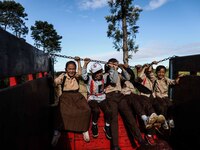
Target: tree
[
  {"x": 45, "y": 36},
  {"x": 122, "y": 26},
  {"x": 12, "y": 17}
]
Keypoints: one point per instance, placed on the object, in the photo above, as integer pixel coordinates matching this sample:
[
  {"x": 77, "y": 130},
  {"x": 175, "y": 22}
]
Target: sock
[
  {"x": 107, "y": 124},
  {"x": 144, "y": 117},
  {"x": 94, "y": 123},
  {"x": 56, "y": 132}
]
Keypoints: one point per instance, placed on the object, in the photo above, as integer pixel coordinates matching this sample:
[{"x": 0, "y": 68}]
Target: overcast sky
[{"x": 167, "y": 28}]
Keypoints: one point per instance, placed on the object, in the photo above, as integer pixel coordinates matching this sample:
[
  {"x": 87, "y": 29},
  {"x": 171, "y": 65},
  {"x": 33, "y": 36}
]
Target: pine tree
[
  {"x": 12, "y": 17},
  {"x": 122, "y": 26},
  {"x": 45, "y": 36}
]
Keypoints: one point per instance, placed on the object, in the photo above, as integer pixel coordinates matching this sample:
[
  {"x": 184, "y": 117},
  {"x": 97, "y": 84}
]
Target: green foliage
[
  {"x": 122, "y": 26},
  {"x": 45, "y": 36},
  {"x": 12, "y": 17}
]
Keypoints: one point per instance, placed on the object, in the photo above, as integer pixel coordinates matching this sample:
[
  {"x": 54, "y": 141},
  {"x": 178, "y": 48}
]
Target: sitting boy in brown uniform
[
  {"x": 117, "y": 102},
  {"x": 162, "y": 103}
]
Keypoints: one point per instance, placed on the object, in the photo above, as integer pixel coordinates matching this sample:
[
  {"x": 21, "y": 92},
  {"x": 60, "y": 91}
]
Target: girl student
[{"x": 73, "y": 110}]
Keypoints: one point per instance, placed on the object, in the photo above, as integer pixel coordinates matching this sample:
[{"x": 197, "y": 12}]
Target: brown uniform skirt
[{"x": 75, "y": 111}]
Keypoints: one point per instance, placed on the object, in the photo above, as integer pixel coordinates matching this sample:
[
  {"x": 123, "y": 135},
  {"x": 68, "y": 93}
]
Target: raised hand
[
  {"x": 77, "y": 58},
  {"x": 86, "y": 61},
  {"x": 154, "y": 63},
  {"x": 121, "y": 65}
]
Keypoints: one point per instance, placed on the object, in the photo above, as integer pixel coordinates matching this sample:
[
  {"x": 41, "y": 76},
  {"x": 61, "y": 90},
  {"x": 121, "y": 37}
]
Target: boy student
[
  {"x": 143, "y": 75},
  {"x": 162, "y": 103},
  {"x": 136, "y": 101},
  {"x": 96, "y": 96},
  {"x": 117, "y": 102},
  {"x": 141, "y": 106},
  {"x": 73, "y": 111}
]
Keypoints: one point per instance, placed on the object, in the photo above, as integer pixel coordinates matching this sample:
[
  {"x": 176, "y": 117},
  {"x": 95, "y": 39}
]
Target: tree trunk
[{"x": 124, "y": 30}]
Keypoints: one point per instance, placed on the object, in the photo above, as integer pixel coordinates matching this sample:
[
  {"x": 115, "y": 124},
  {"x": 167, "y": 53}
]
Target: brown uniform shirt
[
  {"x": 119, "y": 77},
  {"x": 128, "y": 88},
  {"x": 70, "y": 83},
  {"x": 118, "y": 87},
  {"x": 161, "y": 86},
  {"x": 146, "y": 82}
]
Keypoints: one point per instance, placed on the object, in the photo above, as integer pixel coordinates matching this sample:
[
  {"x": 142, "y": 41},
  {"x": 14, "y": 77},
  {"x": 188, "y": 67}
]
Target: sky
[{"x": 166, "y": 28}]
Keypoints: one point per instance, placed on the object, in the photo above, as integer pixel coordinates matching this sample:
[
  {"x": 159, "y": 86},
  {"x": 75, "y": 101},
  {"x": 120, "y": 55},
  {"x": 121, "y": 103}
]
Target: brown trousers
[
  {"x": 118, "y": 103},
  {"x": 142, "y": 104},
  {"x": 103, "y": 105},
  {"x": 164, "y": 106}
]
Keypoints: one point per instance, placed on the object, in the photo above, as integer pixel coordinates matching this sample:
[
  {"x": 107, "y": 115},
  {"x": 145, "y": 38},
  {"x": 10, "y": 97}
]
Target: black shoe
[
  {"x": 95, "y": 131},
  {"x": 107, "y": 131}
]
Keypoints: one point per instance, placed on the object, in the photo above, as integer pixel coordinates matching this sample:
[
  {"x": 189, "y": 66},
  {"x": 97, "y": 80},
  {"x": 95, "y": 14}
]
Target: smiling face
[
  {"x": 71, "y": 69},
  {"x": 161, "y": 73},
  {"x": 98, "y": 75}
]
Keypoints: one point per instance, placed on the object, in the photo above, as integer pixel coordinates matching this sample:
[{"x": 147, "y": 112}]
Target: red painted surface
[
  {"x": 74, "y": 141},
  {"x": 30, "y": 77},
  {"x": 13, "y": 81},
  {"x": 39, "y": 75},
  {"x": 45, "y": 73}
]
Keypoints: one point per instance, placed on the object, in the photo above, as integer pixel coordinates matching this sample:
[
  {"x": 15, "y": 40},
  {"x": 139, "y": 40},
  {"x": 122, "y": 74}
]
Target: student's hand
[
  {"x": 76, "y": 58},
  {"x": 146, "y": 66},
  {"x": 121, "y": 66},
  {"x": 138, "y": 66},
  {"x": 116, "y": 66},
  {"x": 150, "y": 69},
  {"x": 112, "y": 65},
  {"x": 87, "y": 61},
  {"x": 126, "y": 66},
  {"x": 154, "y": 63},
  {"x": 178, "y": 78}
]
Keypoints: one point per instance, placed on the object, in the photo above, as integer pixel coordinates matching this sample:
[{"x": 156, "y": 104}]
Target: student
[
  {"x": 142, "y": 107},
  {"x": 148, "y": 97},
  {"x": 74, "y": 112},
  {"x": 117, "y": 102},
  {"x": 135, "y": 100},
  {"x": 96, "y": 96},
  {"x": 162, "y": 103}
]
